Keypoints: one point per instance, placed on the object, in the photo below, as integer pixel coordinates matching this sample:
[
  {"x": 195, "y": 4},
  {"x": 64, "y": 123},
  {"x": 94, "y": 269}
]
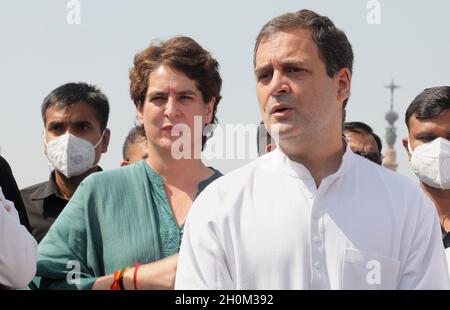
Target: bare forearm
[
  {"x": 103, "y": 283},
  {"x": 159, "y": 275}
]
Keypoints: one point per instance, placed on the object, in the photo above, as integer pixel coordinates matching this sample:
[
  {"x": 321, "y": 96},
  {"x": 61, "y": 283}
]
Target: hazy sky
[{"x": 40, "y": 51}]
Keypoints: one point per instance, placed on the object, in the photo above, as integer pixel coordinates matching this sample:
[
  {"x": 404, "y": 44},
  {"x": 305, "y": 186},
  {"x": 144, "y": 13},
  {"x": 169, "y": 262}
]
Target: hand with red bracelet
[{"x": 158, "y": 275}]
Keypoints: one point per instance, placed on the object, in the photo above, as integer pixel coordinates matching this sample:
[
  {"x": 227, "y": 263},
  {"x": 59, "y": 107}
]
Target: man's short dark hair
[
  {"x": 74, "y": 93},
  {"x": 430, "y": 103},
  {"x": 334, "y": 48},
  {"x": 135, "y": 135},
  {"x": 359, "y": 127}
]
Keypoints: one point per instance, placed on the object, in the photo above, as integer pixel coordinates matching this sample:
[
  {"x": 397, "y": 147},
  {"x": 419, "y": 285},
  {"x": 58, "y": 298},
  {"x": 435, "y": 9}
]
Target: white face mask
[
  {"x": 431, "y": 163},
  {"x": 71, "y": 155}
]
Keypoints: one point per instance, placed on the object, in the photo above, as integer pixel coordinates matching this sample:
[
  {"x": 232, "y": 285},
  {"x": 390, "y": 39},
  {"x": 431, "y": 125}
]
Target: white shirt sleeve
[
  {"x": 201, "y": 263},
  {"x": 18, "y": 248},
  {"x": 426, "y": 264},
  {"x": 447, "y": 252}
]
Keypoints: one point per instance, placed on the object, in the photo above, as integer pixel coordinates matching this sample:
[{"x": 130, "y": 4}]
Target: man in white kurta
[
  {"x": 266, "y": 226},
  {"x": 311, "y": 214}
]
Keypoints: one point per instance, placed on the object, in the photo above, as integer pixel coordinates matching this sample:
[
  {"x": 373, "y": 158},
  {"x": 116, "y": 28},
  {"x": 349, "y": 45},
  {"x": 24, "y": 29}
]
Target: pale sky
[{"x": 41, "y": 51}]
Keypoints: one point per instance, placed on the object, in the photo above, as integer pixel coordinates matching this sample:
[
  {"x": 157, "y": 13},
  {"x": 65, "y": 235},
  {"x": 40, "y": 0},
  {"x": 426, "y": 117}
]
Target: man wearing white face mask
[
  {"x": 428, "y": 147},
  {"x": 75, "y": 117}
]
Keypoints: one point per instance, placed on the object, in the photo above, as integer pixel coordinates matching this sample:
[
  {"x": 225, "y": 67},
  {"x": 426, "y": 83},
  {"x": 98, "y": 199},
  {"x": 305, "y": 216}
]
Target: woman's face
[{"x": 173, "y": 103}]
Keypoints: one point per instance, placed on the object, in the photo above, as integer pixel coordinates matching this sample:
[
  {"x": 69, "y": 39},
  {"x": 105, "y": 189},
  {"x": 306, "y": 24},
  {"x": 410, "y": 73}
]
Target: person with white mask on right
[
  {"x": 428, "y": 147},
  {"x": 75, "y": 118}
]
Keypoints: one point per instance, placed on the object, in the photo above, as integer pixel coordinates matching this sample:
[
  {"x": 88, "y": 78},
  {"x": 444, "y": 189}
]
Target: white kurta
[
  {"x": 18, "y": 248},
  {"x": 447, "y": 252},
  {"x": 267, "y": 226}
]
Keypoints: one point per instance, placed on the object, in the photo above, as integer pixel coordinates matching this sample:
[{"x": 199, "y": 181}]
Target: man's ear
[
  {"x": 45, "y": 146},
  {"x": 105, "y": 141},
  {"x": 344, "y": 80},
  {"x": 270, "y": 147},
  {"x": 405, "y": 145}
]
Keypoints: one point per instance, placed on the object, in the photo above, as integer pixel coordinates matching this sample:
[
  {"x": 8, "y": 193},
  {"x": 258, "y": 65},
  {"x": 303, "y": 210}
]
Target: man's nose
[{"x": 279, "y": 84}]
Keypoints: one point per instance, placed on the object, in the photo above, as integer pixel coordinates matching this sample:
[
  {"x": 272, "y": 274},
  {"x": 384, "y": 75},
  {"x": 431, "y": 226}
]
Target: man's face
[
  {"x": 426, "y": 130},
  {"x": 364, "y": 144},
  {"x": 78, "y": 120},
  {"x": 293, "y": 89},
  {"x": 136, "y": 151}
]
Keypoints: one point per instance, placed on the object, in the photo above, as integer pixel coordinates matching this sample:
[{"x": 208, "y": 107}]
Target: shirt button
[{"x": 317, "y": 265}]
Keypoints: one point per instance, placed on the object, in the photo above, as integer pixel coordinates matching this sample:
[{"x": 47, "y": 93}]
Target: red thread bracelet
[{"x": 136, "y": 267}]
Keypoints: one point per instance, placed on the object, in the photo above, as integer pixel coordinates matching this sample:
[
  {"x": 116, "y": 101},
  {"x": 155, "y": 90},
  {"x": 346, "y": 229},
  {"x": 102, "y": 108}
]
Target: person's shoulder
[
  {"x": 114, "y": 176},
  {"x": 237, "y": 178},
  {"x": 385, "y": 177},
  {"x": 403, "y": 193},
  {"x": 34, "y": 188},
  {"x": 230, "y": 185}
]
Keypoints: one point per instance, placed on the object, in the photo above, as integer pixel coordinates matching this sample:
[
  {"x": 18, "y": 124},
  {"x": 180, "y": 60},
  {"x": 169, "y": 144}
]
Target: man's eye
[
  {"x": 294, "y": 69},
  {"x": 55, "y": 128},
  {"x": 263, "y": 76},
  {"x": 84, "y": 126},
  {"x": 185, "y": 98},
  {"x": 427, "y": 138},
  {"x": 158, "y": 99}
]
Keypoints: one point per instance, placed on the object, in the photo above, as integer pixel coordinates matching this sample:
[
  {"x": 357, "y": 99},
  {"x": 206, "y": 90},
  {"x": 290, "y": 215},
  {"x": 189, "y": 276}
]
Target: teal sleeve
[{"x": 63, "y": 258}]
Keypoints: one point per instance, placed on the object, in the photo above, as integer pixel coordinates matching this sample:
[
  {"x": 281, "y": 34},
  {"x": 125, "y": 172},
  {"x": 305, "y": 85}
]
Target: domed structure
[{"x": 391, "y": 117}]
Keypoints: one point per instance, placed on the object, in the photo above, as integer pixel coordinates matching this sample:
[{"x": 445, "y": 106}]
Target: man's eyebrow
[
  {"x": 54, "y": 123},
  {"x": 293, "y": 62},
  {"x": 424, "y": 133},
  {"x": 262, "y": 68},
  {"x": 186, "y": 92},
  {"x": 81, "y": 122},
  {"x": 284, "y": 63}
]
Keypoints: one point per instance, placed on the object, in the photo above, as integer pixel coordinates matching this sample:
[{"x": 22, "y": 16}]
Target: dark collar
[
  {"x": 446, "y": 239},
  {"x": 50, "y": 188}
]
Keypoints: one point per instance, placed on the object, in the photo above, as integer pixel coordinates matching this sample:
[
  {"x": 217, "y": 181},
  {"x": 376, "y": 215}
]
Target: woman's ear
[
  {"x": 209, "y": 110},
  {"x": 140, "y": 114}
]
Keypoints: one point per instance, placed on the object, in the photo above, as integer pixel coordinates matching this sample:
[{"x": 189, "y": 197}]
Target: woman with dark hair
[{"x": 122, "y": 228}]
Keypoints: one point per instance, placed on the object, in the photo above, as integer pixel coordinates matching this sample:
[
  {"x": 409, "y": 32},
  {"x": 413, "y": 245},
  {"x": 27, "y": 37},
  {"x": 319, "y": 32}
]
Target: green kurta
[{"x": 114, "y": 219}]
